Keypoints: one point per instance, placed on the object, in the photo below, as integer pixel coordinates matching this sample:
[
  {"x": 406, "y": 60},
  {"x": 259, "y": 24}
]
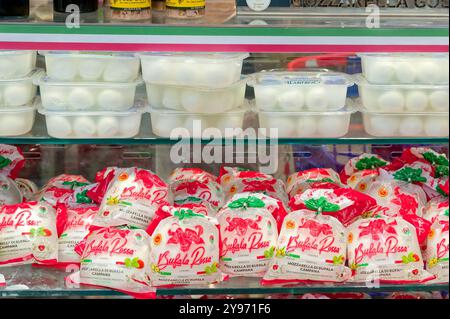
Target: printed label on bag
[{"x": 185, "y": 4}]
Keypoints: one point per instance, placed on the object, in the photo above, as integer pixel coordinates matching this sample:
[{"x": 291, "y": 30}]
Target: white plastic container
[
  {"x": 331, "y": 124},
  {"x": 86, "y": 96},
  {"x": 16, "y": 64},
  {"x": 212, "y": 70},
  {"x": 91, "y": 67},
  {"x": 397, "y": 98},
  {"x": 304, "y": 90},
  {"x": 16, "y": 121},
  {"x": 165, "y": 122},
  {"x": 196, "y": 99},
  {"x": 104, "y": 124},
  {"x": 406, "y": 124},
  {"x": 18, "y": 92},
  {"x": 405, "y": 68}
]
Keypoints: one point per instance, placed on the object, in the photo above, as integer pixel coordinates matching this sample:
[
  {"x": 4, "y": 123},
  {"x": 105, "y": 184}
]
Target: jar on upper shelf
[
  {"x": 14, "y": 8},
  {"x": 84, "y": 5},
  {"x": 129, "y": 10}
]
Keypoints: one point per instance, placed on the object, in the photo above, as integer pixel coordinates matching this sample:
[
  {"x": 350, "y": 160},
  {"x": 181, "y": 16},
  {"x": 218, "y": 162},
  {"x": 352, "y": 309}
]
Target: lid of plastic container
[
  {"x": 349, "y": 109},
  {"x": 44, "y": 79},
  {"x": 306, "y": 77},
  {"x": 360, "y": 80},
  {"x": 243, "y": 80},
  {"x": 138, "y": 108},
  {"x": 216, "y": 57},
  {"x": 12, "y": 52},
  {"x": 96, "y": 54},
  {"x": 236, "y": 111},
  {"x": 19, "y": 109}
]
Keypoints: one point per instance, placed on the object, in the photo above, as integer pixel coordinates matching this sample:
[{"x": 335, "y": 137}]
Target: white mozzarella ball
[
  {"x": 113, "y": 100},
  {"x": 228, "y": 124},
  {"x": 54, "y": 100},
  {"x": 59, "y": 126},
  {"x": 436, "y": 126},
  {"x": 391, "y": 101},
  {"x": 154, "y": 95},
  {"x": 439, "y": 100},
  {"x": 187, "y": 73},
  {"x": 157, "y": 71},
  {"x": 16, "y": 95},
  {"x": 291, "y": 100},
  {"x": 316, "y": 99},
  {"x": 91, "y": 70},
  {"x": 411, "y": 126},
  {"x": 108, "y": 126},
  {"x": 12, "y": 125},
  {"x": 171, "y": 98},
  {"x": 117, "y": 72},
  {"x": 226, "y": 102},
  {"x": 285, "y": 126},
  {"x": 84, "y": 126},
  {"x": 266, "y": 97},
  {"x": 218, "y": 74},
  {"x": 381, "y": 72},
  {"x": 416, "y": 101},
  {"x": 63, "y": 70},
  {"x": 384, "y": 125},
  {"x": 405, "y": 72},
  {"x": 307, "y": 126},
  {"x": 81, "y": 99},
  {"x": 7, "y": 68},
  {"x": 194, "y": 101},
  {"x": 429, "y": 72},
  {"x": 129, "y": 125},
  {"x": 163, "y": 125},
  {"x": 332, "y": 126}
]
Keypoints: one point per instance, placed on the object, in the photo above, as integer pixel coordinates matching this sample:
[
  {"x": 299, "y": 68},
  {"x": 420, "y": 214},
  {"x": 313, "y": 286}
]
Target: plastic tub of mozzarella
[
  {"x": 304, "y": 124},
  {"x": 395, "y": 98},
  {"x": 405, "y": 68},
  {"x": 212, "y": 70},
  {"x": 16, "y": 64},
  {"x": 197, "y": 125},
  {"x": 91, "y": 67},
  {"x": 101, "y": 124},
  {"x": 87, "y": 96},
  {"x": 314, "y": 91},
  {"x": 381, "y": 124},
  {"x": 16, "y": 121},
  {"x": 18, "y": 92},
  {"x": 196, "y": 99}
]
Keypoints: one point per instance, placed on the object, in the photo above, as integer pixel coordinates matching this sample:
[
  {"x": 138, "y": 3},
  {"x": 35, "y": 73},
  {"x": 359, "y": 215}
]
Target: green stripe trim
[{"x": 219, "y": 31}]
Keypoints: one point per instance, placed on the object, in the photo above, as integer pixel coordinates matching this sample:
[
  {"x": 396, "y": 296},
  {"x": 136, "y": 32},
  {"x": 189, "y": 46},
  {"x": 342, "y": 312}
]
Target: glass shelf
[
  {"x": 356, "y": 135},
  {"x": 42, "y": 282}
]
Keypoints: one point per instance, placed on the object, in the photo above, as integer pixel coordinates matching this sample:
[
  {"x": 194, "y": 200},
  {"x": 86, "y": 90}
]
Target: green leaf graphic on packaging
[
  {"x": 409, "y": 174},
  {"x": 134, "y": 263},
  {"x": 323, "y": 180},
  {"x": 410, "y": 258},
  {"x": 436, "y": 159},
  {"x": 369, "y": 163},
  {"x": 189, "y": 199},
  {"x": 441, "y": 171},
  {"x": 269, "y": 252},
  {"x": 321, "y": 205},
  {"x": 74, "y": 184},
  {"x": 280, "y": 252},
  {"x": 82, "y": 198},
  {"x": 211, "y": 269},
  {"x": 186, "y": 214},
  {"x": 4, "y": 161},
  {"x": 338, "y": 260},
  {"x": 247, "y": 202}
]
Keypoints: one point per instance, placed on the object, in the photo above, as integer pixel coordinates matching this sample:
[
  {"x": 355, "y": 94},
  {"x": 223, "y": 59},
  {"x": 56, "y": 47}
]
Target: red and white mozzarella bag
[
  {"x": 364, "y": 162},
  {"x": 11, "y": 161},
  {"x": 60, "y": 189},
  {"x": 193, "y": 185},
  {"x": 118, "y": 259},
  {"x": 29, "y": 234},
  {"x": 236, "y": 180},
  {"x": 385, "y": 249},
  {"x": 435, "y": 208},
  {"x": 132, "y": 199},
  {"x": 249, "y": 225},
  {"x": 345, "y": 204},
  {"x": 311, "y": 247},
  {"x": 436, "y": 253},
  {"x": 184, "y": 249},
  {"x": 79, "y": 220},
  {"x": 299, "y": 182}
]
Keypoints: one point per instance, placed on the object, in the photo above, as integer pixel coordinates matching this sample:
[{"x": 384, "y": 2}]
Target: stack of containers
[
  {"x": 17, "y": 92},
  {"x": 90, "y": 95},
  {"x": 405, "y": 95},
  {"x": 303, "y": 104},
  {"x": 185, "y": 89}
]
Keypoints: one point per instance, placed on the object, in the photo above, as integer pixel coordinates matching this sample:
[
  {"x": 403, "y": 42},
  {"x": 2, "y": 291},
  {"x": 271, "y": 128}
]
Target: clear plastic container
[
  {"x": 381, "y": 124},
  {"x": 196, "y": 99},
  {"x": 16, "y": 121},
  {"x": 405, "y": 68},
  {"x": 100, "y": 124},
  {"x": 331, "y": 124},
  {"x": 396, "y": 98},
  {"x": 91, "y": 67},
  {"x": 165, "y": 123},
  {"x": 87, "y": 96},
  {"x": 18, "y": 92},
  {"x": 212, "y": 70},
  {"x": 319, "y": 90},
  {"x": 16, "y": 64}
]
